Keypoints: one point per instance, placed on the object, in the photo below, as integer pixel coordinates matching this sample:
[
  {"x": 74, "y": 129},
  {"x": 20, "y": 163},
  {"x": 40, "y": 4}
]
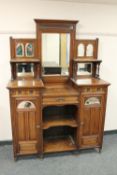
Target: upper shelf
[
  {"x": 86, "y": 60},
  {"x": 25, "y": 60},
  {"x": 30, "y": 83},
  {"x": 89, "y": 82}
]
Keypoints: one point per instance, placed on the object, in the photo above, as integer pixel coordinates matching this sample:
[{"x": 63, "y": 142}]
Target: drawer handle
[
  {"x": 82, "y": 124},
  {"x": 60, "y": 99},
  {"x": 38, "y": 126}
]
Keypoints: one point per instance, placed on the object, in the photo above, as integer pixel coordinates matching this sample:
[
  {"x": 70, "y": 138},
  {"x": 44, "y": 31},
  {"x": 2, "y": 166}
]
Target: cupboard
[{"x": 57, "y": 98}]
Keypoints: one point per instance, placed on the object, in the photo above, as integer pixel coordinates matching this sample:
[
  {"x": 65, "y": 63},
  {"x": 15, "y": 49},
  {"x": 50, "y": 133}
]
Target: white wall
[{"x": 16, "y": 19}]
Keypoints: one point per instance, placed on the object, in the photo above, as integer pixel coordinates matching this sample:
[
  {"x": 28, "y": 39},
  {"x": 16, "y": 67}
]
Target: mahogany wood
[
  {"x": 13, "y": 43},
  {"x": 86, "y": 42},
  {"x": 59, "y": 122},
  {"x": 76, "y": 106},
  {"x": 59, "y": 145}
]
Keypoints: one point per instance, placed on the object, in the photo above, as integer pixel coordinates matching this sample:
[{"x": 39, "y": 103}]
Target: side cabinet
[
  {"x": 92, "y": 116},
  {"x": 26, "y": 121}
]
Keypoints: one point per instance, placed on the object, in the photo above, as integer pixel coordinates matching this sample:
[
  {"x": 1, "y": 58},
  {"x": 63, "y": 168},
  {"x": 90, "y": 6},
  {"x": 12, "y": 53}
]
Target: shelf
[
  {"x": 59, "y": 122},
  {"x": 86, "y": 60},
  {"x": 65, "y": 143},
  {"x": 25, "y": 60}
]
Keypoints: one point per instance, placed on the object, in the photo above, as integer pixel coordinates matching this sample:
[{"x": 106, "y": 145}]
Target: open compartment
[
  {"x": 57, "y": 139},
  {"x": 60, "y": 116}
]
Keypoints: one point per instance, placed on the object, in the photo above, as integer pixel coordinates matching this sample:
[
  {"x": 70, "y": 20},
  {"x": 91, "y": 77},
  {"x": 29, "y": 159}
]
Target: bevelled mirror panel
[
  {"x": 84, "y": 69},
  {"x": 55, "y": 53},
  {"x": 25, "y": 68}
]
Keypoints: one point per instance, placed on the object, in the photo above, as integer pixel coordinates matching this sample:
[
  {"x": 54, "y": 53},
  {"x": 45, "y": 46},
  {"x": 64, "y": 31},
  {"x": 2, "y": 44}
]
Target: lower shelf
[{"x": 59, "y": 144}]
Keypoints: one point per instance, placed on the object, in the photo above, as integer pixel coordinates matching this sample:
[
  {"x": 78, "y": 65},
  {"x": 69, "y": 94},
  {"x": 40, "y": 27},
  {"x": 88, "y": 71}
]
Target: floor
[{"x": 88, "y": 162}]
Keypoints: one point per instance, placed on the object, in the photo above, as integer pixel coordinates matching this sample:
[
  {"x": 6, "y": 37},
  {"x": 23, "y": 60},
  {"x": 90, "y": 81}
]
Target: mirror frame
[{"x": 56, "y": 26}]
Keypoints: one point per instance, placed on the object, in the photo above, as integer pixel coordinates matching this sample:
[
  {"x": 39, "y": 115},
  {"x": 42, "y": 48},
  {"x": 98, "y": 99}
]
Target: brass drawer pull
[
  {"x": 60, "y": 99},
  {"x": 38, "y": 126},
  {"x": 82, "y": 124}
]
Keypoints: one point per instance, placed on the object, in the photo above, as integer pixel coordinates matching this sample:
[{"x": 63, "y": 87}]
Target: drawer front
[
  {"x": 89, "y": 141},
  {"x": 91, "y": 90},
  {"x": 24, "y": 92},
  {"x": 29, "y": 147},
  {"x": 60, "y": 100}
]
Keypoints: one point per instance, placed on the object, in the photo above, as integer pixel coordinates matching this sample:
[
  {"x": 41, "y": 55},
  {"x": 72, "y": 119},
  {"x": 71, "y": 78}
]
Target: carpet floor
[{"x": 88, "y": 162}]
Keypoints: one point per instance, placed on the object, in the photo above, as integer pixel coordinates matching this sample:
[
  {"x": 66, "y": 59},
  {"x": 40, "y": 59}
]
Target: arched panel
[
  {"x": 92, "y": 101},
  {"x": 29, "y": 50},
  {"x": 89, "y": 50},
  {"x": 81, "y": 50},
  {"x": 26, "y": 105},
  {"x": 19, "y": 50}
]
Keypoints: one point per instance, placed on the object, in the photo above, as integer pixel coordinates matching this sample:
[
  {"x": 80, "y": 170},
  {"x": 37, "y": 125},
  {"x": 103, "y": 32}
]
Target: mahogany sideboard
[{"x": 57, "y": 99}]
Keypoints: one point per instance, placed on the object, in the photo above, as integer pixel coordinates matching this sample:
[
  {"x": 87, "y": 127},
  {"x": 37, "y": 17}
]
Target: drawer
[
  {"x": 90, "y": 141},
  {"x": 25, "y": 92},
  {"x": 60, "y": 100},
  {"x": 93, "y": 90},
  {"x": 27, "y": 147}
]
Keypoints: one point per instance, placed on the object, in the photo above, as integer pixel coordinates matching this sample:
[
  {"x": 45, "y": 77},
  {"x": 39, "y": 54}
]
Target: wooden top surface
[
  {"x": 29, "y": 83},
  {"x": 47, "y": 21},
  {"x": 90, "y": 82},
  {"x": 59, "y": 90},
  {"x": 52, "y": 89}
]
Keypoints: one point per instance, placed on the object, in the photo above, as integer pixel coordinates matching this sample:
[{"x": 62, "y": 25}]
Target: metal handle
[
  {"x": 60, "y": 99},
  {"x": 82, "y": 124},
  {"x": 38, "y": 126}
]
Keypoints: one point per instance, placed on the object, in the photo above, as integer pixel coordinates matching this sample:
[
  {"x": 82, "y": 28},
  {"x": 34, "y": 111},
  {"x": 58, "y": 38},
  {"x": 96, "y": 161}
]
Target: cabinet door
[
  {"x": 27, "y": 121},
  {"x": 91, "y": 121}
]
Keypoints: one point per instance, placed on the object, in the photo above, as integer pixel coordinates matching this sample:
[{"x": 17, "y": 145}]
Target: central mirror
[{"x": 55, "y": 53}]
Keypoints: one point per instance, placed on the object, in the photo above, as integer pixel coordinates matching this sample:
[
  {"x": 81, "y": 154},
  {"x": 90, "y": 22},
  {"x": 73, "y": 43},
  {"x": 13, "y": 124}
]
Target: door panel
[
  {"x": 32, "y": 125},
  {"x": 27, "y": 119},
  {"x": 21, "y": 126},
  {"x": 91, "y": 117},
  {"x": 95, "y": 120},
  {"x": 86, "y": 121}
]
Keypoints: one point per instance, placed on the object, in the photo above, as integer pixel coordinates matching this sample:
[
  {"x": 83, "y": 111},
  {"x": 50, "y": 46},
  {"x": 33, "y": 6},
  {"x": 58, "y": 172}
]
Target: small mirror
[
  {"x": 55, "y": 53},
  {"x": 84, "y": 69},
  {"x": 25, "y": 69}
]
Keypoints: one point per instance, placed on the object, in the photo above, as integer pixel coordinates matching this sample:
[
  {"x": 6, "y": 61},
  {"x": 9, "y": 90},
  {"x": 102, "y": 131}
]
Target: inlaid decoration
[
  {"x": 19, "y": 50},
  {"x": 26, "y": 105},
  {"x": 29, "y": 50},
  {"x": 92, "y": 101}
]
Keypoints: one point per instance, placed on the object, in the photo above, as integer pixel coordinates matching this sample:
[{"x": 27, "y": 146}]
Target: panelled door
[
  {"x": 91, "y": 121},
  {"x": 27, "y": 117}
]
